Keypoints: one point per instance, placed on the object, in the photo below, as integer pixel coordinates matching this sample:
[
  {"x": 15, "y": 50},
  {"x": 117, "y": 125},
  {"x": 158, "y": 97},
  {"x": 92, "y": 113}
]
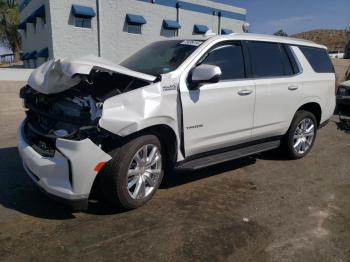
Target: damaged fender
[{"x": 145, "y": 107}]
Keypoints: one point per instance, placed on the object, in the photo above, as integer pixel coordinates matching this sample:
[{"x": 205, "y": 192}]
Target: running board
[{"x": 218, "y": 158}]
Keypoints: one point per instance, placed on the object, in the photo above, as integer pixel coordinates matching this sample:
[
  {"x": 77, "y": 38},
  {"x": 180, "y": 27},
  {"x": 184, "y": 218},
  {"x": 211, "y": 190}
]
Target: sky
[{"x": 294, "y": 16}]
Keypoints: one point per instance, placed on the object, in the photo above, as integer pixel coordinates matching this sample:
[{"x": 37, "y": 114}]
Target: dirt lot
[{"x": 262, "y": 208}]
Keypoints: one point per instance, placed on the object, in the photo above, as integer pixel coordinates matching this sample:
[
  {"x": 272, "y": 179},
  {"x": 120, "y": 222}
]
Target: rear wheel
[
  {"x": 134, "y": 173},
  {"x": 301, "y": 135}
]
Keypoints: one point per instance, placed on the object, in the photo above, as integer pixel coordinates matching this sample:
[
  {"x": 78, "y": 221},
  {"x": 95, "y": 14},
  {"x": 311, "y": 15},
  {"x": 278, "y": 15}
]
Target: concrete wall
[
  {"x": 117, "y": 44},
  {"x": 67, "y": 39},
  {"x": 64, "y": 39},
  {"x": 37, "y": 36},
  {"x": 14, "y": 74}
]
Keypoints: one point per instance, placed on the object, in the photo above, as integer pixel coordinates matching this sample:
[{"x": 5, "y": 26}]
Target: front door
[{"x": 219, "y": 115}]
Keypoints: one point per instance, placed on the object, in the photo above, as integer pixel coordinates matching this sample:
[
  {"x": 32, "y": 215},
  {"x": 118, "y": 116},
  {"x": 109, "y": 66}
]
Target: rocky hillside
[{"x": 335, "y": 40}]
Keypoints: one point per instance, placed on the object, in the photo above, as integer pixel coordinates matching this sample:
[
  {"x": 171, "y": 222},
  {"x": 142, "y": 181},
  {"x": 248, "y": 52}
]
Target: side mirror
[{"x": 205, "y": 74}]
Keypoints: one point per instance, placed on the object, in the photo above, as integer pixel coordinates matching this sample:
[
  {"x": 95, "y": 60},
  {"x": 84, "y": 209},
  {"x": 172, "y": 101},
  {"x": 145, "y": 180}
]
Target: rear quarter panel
[{"x": 317, "y": 87}]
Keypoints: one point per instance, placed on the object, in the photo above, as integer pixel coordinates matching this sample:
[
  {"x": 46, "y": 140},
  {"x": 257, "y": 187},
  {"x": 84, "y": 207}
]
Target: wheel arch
[
  {"x": 314, "y": 108},
  {"x": 163, "y": 132}
]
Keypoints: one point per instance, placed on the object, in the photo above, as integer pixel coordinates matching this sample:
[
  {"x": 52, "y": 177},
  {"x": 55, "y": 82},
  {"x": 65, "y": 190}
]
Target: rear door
[{"x": 278, "y": 87}]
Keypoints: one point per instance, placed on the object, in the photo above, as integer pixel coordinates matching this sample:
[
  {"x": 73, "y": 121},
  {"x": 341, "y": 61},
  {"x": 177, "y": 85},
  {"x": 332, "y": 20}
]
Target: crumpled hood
[{"x": 58, "y": 75}]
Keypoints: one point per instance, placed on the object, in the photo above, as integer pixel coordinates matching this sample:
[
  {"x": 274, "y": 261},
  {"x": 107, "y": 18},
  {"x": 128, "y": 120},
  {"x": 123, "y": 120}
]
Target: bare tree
[{"x": 9, "y": 20}]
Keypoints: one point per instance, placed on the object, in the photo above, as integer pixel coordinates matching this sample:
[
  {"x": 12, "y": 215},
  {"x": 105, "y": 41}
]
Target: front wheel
[
  {"x": 301, "y": 135},
  {"x": 134, "y": 173}
]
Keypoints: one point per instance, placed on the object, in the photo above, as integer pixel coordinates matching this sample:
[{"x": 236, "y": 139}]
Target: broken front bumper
[{"x": 69, "y": 174}]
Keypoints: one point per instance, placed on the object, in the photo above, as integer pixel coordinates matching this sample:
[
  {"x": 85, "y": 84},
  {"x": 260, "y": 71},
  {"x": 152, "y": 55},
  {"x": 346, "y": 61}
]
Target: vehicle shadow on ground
[
  {"x": 18, "y": 192},
  {"x": 274, "y": 155}
]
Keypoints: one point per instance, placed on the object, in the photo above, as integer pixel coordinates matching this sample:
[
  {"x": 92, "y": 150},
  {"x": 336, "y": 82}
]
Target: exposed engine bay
[{"x": 73, "y": 114}]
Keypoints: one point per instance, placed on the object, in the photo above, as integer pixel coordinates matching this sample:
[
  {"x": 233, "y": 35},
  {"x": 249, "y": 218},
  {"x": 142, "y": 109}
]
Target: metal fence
[{"x": 6, "y": 59}]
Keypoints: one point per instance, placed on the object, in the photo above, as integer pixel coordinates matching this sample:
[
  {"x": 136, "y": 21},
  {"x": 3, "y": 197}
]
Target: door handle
[
  {"x": 293, "y": 88},
  {"x": 245, "y": 92}
]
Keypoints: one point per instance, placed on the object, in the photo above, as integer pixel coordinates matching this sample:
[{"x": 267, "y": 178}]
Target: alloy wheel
[
  {"x": 304, "y": 136},
  {"x": 144, "y": 172}
]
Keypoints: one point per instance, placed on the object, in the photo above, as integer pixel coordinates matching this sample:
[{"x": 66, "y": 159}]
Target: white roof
[{"x": 268, "y": 38}]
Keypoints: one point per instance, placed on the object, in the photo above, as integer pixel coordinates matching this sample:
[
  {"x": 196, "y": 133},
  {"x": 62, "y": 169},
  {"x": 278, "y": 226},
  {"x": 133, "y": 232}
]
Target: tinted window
[
  {"x": 229, "y": 58},
  {"x": 292, "y": 59},
  {"x": 266, "y": 59},
  {"x": 288, "y": 69},
  {"x": 161, "y": 57},
  {"x": 318, "y": 59}
]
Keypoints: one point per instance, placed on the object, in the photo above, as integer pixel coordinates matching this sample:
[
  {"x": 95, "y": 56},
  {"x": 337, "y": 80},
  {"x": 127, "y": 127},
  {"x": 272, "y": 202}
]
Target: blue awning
[
  {"x": 25, "y": 56},
  {"x": 32, "y": 55},
  {"x": 22, "y": 26},
  {"x": 40, "y": 12},
  {"x": 225, "y": 31},
  {"x": 135, "y": 19},
  {"x": 200, "y": 29},
  {"x": 44, "y": 53},
  {"x": 31, "y": 19},
  {"x": 83, "y": 11},
  {"x": 170, "y": 24}
]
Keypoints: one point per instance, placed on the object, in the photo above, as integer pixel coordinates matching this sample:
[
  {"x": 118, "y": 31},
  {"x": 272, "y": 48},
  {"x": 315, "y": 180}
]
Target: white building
[{"x": 114, "y": 29}]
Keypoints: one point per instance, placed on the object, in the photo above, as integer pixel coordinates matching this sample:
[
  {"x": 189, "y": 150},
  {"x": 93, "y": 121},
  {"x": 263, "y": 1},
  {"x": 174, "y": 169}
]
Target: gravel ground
[{"x": 262, "y": 208}]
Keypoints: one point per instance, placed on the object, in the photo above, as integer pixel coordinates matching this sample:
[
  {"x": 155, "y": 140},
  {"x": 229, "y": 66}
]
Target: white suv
[{"x": 175, "y": 104}]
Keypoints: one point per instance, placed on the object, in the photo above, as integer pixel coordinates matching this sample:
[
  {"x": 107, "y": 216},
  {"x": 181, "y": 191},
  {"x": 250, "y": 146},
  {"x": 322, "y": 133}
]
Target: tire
[
  {"x": 129, "y": 167},
  {"x": 298, "y": 142}
]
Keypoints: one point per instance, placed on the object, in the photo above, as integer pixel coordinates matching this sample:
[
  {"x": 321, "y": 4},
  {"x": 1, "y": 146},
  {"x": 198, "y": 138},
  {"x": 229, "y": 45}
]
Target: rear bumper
[{"x": 68, "y": 176}]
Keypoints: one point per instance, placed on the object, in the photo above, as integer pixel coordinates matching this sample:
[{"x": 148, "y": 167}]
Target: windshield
[{"x": 161, "y": 57}]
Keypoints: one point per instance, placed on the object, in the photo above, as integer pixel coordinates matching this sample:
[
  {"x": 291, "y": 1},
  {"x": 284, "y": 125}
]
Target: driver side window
[{"x": 229, "y": 57}]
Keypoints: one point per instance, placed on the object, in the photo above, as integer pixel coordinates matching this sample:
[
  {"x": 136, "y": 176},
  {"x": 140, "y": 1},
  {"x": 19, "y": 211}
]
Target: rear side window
[
  {"x": 266, "y": 59},
  {"x": 229, "y": 58},
  {"x": 292, "y": 59},
  {"x": 318, "y": 59},
  {"x": 288, "y": 69}
]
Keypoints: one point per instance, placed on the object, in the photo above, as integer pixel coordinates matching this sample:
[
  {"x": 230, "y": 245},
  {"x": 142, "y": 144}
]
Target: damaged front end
[
  {"x": 74, "y": 113},
  {"x": 60, "y": 141}
]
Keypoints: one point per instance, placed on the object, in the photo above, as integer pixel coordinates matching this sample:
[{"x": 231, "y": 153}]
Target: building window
[
  {"x": 226, "y": 31},
  {"x": 134, "y": 23},
  {"x": 83, "y": 15},
  {"x": 134, "y": 29},
  {"x": 83, "y": 22},
  {"x": 40, "y": 13},
  {"x": 200, "y": 29},
  {"x": 23, "y": 27},
  {"x": 170, "y": 32},
  {"x": 32, "y": 20},
  {"x": 170, "y": 28}
]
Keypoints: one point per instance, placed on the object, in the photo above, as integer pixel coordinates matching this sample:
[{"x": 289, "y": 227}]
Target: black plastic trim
[{"x": 220, "y": 151}]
